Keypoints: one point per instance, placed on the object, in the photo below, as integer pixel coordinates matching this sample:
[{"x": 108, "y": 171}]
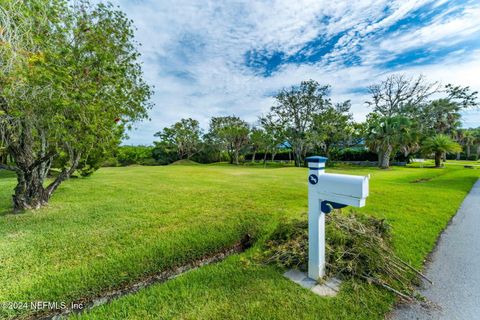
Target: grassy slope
[
  {"x": 124, "y": 222},
  {"x": 110, "y": 228}
]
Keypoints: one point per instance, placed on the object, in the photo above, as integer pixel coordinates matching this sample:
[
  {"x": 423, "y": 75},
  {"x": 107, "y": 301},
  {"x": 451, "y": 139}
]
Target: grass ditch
[{"x": 85, "y": 304}]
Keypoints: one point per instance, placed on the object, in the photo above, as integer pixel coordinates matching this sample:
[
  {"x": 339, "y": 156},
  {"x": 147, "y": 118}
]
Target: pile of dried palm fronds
[{"x": 357, "y": 248}]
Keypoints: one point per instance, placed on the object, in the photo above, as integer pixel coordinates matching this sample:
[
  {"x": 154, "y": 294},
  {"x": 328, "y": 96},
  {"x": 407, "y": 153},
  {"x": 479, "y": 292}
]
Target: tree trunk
[
  {"x": 298, "y": 157},
  {"x": 29, "y": 192},
  {"x": 236, "y": 157},
  {"x": 458, "y": 155},
  {"x": 253, "y": 157},
  {"x": 327, "y": 151},
  {"x": 3, "y": 158},
  {"x": 384, "y": 158},
  {"x": 438, "y": 159},
  {"x": 468, "y": 151},
  {"x": 32, "y": 166},
  {"x": 65, "y": 174},
  {"x": 273, "y": 156},
  {"x": 380, "y": 157}
]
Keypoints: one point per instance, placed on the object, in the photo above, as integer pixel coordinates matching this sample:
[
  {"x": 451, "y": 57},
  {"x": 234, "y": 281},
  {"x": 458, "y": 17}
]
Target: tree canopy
[
  {"x": 403, "y": 115},
  {"x": 333, "y": 127},
  {"x": 294, "y": 111},
  {"x": 70, "y": 83},
  {"x": 231, "y": 132},
  {"x": 440, "y": 144},
  {"x": 183, "y": 137}
]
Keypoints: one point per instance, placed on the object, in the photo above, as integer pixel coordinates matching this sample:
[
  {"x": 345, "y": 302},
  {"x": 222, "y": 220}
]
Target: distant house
[{"x": 284, "y": 145}]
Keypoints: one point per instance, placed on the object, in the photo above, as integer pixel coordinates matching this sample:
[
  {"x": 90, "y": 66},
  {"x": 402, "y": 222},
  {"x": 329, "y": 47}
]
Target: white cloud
[
  {"x": 437, "y": 34},
  {"x": 194, "y": 52}
]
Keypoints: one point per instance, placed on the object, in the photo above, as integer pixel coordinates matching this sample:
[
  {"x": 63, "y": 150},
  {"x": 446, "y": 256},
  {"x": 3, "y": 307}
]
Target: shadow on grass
[
  {"x": 5, "y": 174},
  {"x": 257, "y": 165},
  {"x": 7, "y": 183},
  {"x": 6, "y": 207}
]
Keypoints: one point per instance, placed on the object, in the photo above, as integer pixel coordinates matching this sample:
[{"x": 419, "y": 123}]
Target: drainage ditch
[{"x": 160, "y": 277}]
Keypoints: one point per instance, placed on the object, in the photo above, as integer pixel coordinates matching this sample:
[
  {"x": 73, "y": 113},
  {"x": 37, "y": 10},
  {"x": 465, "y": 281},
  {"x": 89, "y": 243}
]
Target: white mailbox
[
  {"x": 327, "y": 191},
  {"x": 341, "y": 188}
]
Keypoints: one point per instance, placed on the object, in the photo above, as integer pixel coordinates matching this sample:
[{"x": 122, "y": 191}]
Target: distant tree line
[
  {"x": 405, "y": 118},
  {"x": 409, "y": 117},
  {"x": 303, "y": 120}
]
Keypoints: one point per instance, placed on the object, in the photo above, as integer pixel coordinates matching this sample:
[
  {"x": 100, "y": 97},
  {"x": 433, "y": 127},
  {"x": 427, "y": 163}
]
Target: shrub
[
  {"x": 128, "y": 155},
  {"x": 110, "y": 162},
  {"x": 354, "y": 154}
]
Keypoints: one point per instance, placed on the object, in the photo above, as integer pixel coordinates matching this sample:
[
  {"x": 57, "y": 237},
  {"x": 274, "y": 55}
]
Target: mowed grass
[
  {"x": 431, "y": 163},
  {"x": 123, "y": 223},
  {"x": 463, "y": 162}
]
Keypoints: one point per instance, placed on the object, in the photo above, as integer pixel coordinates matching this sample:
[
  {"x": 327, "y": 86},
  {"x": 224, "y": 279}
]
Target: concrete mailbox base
[{"x": 328, "y": 289}]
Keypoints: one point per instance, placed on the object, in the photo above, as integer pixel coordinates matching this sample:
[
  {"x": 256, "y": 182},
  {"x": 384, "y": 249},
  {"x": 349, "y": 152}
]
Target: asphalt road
[{"x": 454, "y": 269}]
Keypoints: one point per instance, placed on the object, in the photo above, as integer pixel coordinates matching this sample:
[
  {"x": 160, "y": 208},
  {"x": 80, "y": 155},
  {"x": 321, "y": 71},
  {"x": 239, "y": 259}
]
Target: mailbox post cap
[{"x": 316, "y": 159}]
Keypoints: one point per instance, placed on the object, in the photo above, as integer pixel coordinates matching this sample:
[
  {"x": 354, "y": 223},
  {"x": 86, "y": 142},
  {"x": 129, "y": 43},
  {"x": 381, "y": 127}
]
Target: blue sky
[{"x": 215, "y": 58}]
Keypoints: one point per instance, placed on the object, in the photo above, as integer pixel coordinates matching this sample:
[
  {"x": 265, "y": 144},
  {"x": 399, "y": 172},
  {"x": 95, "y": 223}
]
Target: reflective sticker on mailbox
[{"x": 313, "y": 179}]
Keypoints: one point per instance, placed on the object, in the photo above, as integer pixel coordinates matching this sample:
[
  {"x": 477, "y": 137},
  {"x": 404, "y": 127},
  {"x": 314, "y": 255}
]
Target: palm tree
[
  {"x": 458, "y": 136},
  {"x": 440, "y": 144},
  {"x": 386, "y": 135},
  {"x": 468, "y": 141},
  {"x": 477, "y": 142}
]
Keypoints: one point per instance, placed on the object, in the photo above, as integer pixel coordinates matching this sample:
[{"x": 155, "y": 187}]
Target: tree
[
  {"x": 333, "y": 126},
  {"x": 232, "y": 132},
  {"x": 294, "y": 111},
  {"x": 275, "y": 135},
  {"x": 184, "y": 137},
  {"x": 443, "y": 115},
  {"x": 258, "y": 141},
  {"x": 211, "y": 150},
  {"x": 477, "y": 142},
  {"x": 398, "y": 103},
  {"x": 440, "y": 144},
  {"x": 385, "y": 135},
  {"x": 468, "y": 141},
  {"x": 462, "y": 96},
  {"x": 399, "y": 94},
  {"x": 70, "y": 83}
]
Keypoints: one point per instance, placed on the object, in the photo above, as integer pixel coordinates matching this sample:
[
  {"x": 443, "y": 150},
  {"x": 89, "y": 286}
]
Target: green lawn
[
  {"x": 123, "y": 223},
  {"x": 464, "y": 162},
  {"x": 431, "y": 163}
]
